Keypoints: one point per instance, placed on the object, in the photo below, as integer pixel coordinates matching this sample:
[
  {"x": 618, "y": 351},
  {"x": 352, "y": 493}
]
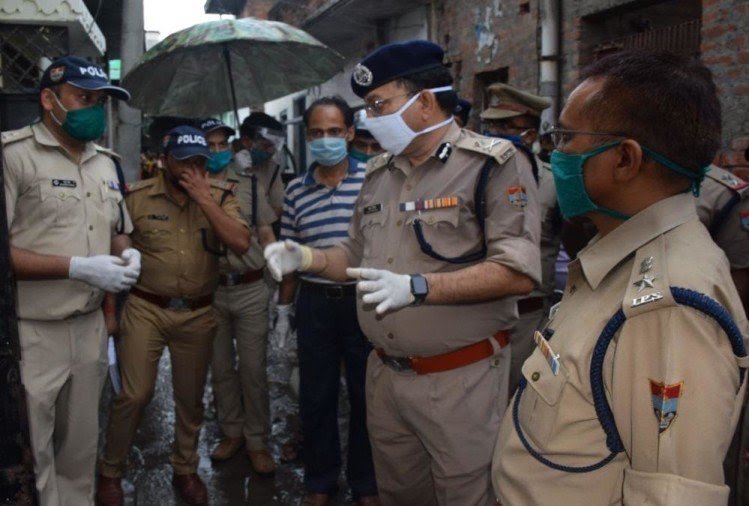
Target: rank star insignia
[
  {"x": 645, "y": 282},
  {"x": 646, "y": 265}
]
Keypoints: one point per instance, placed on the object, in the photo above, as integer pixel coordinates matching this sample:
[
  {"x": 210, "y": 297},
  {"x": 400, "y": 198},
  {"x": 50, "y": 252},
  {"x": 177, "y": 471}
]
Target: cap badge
[
  {"x": 56, "y": 73},
  {"x": 362, "y": 75}
]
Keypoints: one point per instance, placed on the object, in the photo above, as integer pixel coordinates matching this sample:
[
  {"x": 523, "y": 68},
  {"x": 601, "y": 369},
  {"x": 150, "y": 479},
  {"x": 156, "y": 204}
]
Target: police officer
[
  {"x": 444, "y": 233},
  {"x": 183, "y": 221},
  {"x": 634, "y": 391},
  {"x": 66, "y": 224},
  {"x": 515, "y": 115},
  {"x": 262, "y": 136},
  {"x": 241, "y": 304}
]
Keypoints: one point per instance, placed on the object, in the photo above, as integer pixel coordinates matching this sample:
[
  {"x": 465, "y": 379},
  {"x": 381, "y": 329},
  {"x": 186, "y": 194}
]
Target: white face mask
[{"x": 392, "y": 131}]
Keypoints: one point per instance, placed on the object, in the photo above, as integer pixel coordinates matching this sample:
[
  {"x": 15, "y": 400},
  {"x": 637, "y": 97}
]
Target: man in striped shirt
[{"x": 317, "y": 210}]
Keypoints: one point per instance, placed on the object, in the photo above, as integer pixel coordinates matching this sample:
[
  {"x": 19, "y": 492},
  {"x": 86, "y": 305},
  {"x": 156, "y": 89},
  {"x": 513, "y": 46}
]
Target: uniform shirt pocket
[
  {"x": 540, "y": 404},
  {"x": 440, "y": 229},
  {"x": 374, "y": 233},
  {"x": 60, "y": 204},
  {"x": 155, "y": 235}
]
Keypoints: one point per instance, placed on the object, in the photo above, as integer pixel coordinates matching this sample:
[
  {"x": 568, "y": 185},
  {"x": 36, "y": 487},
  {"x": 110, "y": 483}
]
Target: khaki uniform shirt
[
  {"x": 381, "y": 236},
  {"x": 56, "y": 206},
  {"x": 253, "y": 259},
  {"x": 179, "y": 249},
  {"x": 551, "y": 228},
  {"x": 673, "y": 451},
  {"x": 264, "y": 172},
  {"x": 732, "y": 233}
]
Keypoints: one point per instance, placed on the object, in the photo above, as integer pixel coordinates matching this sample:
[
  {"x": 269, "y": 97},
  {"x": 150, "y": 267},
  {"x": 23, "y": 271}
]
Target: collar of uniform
[
  {"x": 43, "y": 136},
  {"x": 309, "y": 177},
  {"x": 451, "y": 135},
  {"x": 605, "y": 253}
]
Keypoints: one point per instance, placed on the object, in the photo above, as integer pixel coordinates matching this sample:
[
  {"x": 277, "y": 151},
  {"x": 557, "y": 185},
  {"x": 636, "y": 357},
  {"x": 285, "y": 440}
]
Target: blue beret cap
[
  {"x": 392, "y": 61},
  {"x": 81, "y": 74},
  {"x": 186, "y": 141}
]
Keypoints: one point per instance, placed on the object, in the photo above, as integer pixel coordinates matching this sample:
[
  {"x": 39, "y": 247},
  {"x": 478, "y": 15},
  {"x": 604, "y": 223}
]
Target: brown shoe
[
  {"x": 191, "y": 488},
  {"x": 368, "y": 500},
  {"x": 312, "y": 499},
  {"x": 109, "y": 492},
  {"x": 227, "y": 448},
  {"x": 262, "y": 462}
]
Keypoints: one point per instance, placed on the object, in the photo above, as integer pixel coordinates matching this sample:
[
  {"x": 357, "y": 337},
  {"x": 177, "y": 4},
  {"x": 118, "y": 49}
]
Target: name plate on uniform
[
  {"x": 64, "y": 183},
  {"x": 158, "y": 217},
  {"x": 551, "y": 358},
  {"x": 374, "y": 208}
]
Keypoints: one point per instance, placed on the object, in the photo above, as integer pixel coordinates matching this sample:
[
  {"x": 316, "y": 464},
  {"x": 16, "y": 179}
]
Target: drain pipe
[{"x": 550, "y": 64}]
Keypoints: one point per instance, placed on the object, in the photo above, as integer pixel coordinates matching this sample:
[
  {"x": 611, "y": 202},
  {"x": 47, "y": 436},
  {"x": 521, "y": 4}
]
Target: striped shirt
[{"x": 318, "y": 216}]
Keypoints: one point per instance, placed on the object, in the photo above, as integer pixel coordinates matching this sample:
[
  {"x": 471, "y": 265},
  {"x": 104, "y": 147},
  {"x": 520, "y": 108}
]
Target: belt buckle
[
  {"x": 400, "y": 364},
  {"x": 178, "y": 304},
  {"x": 334, "y": 292},
  {"x": 233, "y": 279}
]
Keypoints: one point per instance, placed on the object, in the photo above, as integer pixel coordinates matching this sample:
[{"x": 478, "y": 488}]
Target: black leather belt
[{"x": 331, "y": 291}]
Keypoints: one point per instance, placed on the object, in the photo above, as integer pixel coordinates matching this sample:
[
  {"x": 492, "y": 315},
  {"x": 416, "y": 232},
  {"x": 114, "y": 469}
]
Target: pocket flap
[{"x": 537, "y": 372}]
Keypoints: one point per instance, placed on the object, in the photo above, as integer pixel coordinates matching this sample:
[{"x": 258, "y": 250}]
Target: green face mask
[{"x": 85, "y": 124}]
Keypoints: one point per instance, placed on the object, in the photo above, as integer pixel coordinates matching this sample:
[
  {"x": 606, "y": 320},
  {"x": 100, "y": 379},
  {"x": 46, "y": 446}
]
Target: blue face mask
[
  {"x": 328, "y": 151},
  {"x": 574, "y": 200},
  {"x": 218, "y": 161},
  {"x": 515, "y": 139},
  {"x": 259, "y": 156},
  {"x": 359, "y": 155}
]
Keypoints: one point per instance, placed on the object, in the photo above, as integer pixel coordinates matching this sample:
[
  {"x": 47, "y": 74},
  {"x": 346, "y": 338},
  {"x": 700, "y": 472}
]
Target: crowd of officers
[{"x": 421, "y": 255}]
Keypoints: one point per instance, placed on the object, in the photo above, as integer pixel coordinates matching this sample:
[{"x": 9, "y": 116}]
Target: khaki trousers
[
  {"x": 433, "y": 435},
  {"x": 145, "y": 330},
  {"x": 242, "y": 336},
  {"x": 522, "y": 345},
  {"x": 63, "y": 366}
]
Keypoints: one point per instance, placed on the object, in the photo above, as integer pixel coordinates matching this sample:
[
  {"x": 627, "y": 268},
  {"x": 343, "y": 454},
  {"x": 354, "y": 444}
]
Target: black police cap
[
  {"x": 81, "y": 74},
  {"x": 393, "y": 61}
]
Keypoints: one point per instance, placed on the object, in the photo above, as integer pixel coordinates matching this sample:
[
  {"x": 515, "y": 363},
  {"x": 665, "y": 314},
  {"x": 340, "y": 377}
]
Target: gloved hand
[
  {"x": 282, "y": 330},
  {"x": 286, "y": 256},
  {"x": 131, "y": 257},
  {"x": 390, "y": 291},
  {"x": 106, "y": 272}
]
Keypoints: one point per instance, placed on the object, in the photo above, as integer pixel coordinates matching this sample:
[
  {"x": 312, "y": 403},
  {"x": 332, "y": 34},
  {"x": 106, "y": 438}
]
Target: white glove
[
  {"x": 282, "y": 330},
  {"x": 243, "y": 159},
  {"x": 131, "y": 257},
  {"x": 106, "y": 272},
  {"x": 390, "y": 291},
  {"x": 286, "y": 256}
]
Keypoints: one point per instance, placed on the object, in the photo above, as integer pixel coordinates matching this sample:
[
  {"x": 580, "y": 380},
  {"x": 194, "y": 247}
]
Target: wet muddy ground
[{"x": 148, "y": 479}]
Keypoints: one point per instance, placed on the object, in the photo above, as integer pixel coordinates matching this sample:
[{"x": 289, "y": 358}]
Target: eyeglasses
[
  {"x": 377, "y": 106},
  {"x": 561, "y": 136}
]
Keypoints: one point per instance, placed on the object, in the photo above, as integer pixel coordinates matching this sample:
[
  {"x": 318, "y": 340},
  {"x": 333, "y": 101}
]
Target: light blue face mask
[
  {"x": 218, "y": 161},
  {"x": 328, "y": 151},
  {"x": 574, "y": 200}
]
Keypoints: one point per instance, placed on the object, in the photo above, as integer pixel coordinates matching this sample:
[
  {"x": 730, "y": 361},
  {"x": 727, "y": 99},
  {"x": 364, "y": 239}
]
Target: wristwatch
[{"x": 419, "y": 289}]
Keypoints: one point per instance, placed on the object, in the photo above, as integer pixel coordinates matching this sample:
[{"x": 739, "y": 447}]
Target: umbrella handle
[{"x": 227, "y": 58}]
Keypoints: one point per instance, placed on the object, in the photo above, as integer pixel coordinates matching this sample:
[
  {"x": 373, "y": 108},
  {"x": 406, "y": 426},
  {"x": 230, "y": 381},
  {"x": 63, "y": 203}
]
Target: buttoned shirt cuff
[
  {"x": 670, "y": 489},
  {"x": 518, "y": 254}
]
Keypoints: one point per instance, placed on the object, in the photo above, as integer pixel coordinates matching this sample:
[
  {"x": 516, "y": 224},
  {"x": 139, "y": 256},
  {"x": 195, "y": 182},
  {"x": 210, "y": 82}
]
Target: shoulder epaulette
[
  {"x": 648, "y": 286},
  {"x": 139, "y": 185},
  {"x": 16, "y": 135},
  {"x": 500, "y": 149},
  {"x": 224, "y": 185},
  {"x": 376, "y": 163},
  {"x": 107, "y": 151},
  {"x": 725, "y": 178}
]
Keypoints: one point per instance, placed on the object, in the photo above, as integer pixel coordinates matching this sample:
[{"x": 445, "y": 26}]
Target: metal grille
[
  {"x": 22, "y": 50},
  {"x": 683, "y": 39}
]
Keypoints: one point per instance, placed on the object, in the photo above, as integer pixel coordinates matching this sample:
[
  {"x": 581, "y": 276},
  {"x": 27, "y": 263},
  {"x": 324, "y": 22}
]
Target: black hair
[
  {"x": 335, "y": 101},
  {"x": 665, "y": 101},
  {"x": 435, "y": 77}
]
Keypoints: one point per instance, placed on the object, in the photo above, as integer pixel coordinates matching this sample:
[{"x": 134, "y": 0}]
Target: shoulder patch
[
  {"x": 16, "y": 135},
  {"x": 224, "y": 185},
  {"x": 500, "y": 149},
  {"x": 139, "y": 185},
  {"x": 107, "y": 151},
  {"x": 726, "y": 178},
  {"x": 376, "y": 163}
]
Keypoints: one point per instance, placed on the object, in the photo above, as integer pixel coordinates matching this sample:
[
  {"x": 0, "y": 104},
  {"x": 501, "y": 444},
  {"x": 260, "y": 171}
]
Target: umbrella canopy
[{"x": 187, "y": 74}]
